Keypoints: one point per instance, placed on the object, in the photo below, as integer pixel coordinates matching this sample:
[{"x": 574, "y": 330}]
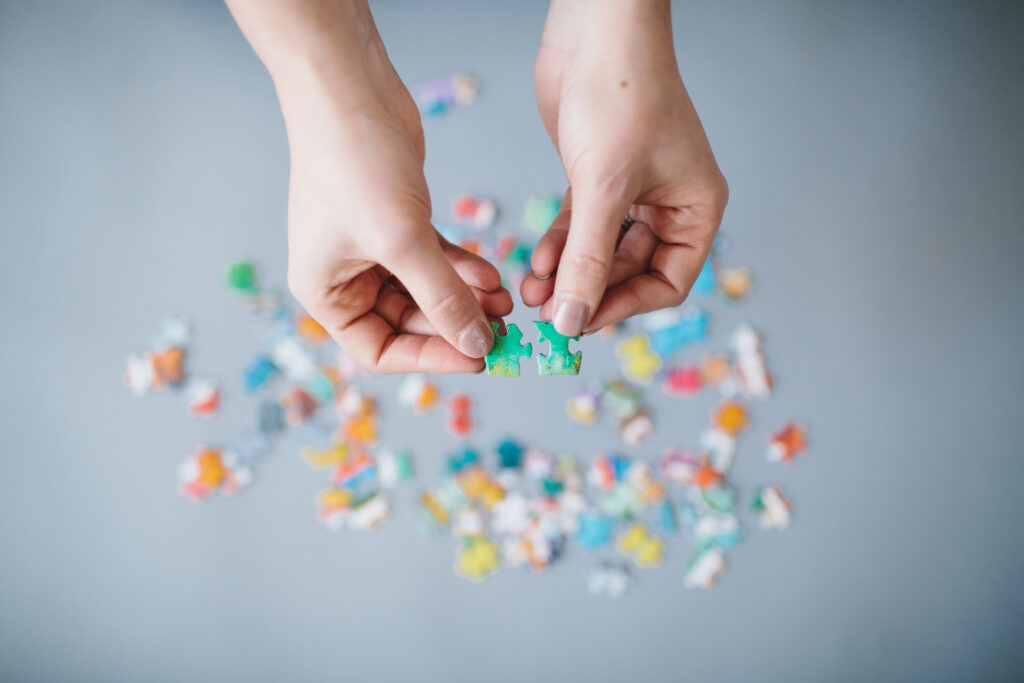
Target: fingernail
[
  {"x": 475, "y": 340},
  {"x": 541, "y": 277},
  {"x": 570, "y": 316}
]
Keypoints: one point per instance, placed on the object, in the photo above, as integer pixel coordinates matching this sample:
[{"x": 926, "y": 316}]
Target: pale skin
[{"x": 364, "y": 259}]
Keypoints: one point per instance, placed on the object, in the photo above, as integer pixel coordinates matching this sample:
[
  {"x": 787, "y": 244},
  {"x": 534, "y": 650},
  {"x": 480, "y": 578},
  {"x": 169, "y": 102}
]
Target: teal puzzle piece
[
  {"x": 560, "y": 361},
  {"x": 503, "y": 358}
]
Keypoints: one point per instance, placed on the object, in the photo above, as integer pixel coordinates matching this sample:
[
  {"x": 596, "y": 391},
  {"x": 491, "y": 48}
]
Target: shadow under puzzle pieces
[{"x": 503, "y": 358}]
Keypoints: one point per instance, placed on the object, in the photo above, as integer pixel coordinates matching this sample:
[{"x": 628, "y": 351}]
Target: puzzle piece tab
[
  {"x": 559, "y": 361},
  {"x": 503, "y": 358}
]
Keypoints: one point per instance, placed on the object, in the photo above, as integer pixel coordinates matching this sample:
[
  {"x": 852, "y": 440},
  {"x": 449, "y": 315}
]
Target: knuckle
[
  {"x": 450, "y": 306},
  {"x": 586, "y": 262}
]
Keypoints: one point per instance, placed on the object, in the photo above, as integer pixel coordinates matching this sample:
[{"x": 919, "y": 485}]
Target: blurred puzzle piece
[{"x": 639, "y": 363}]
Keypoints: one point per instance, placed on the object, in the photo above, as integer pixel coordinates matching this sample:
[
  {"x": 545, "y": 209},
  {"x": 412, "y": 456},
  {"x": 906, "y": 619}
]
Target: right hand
[{"x": 364, "y": 259}]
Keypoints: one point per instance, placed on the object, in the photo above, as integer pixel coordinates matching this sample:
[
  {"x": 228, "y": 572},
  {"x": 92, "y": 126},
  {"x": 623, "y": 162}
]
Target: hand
[
  {"x": 363, "y": 257},
  {"x": 610, "y": 95}
]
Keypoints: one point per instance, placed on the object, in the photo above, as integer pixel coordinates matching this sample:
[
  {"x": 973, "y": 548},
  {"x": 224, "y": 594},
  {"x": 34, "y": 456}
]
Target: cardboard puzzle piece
[
  {"x": 559, "y": 361},
  {"x": 503, "y": 358},
  {"x": 639, "y": 363}
]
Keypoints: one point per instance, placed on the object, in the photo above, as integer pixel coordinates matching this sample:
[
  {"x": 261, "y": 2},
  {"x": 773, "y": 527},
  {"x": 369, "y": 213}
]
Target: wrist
[
  {"x": 313, "y": 47},
  {"x": 601, "y": 25}
]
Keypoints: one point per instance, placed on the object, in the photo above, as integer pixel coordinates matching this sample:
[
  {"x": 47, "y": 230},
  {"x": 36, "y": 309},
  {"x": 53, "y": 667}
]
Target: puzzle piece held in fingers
[
  {"x": 503, "y": 358},
  {"x": 559, "y": 361}
]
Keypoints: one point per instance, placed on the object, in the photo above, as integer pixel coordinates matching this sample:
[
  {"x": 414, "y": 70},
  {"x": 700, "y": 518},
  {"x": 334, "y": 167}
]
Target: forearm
[{"x": 327, "y": 45}]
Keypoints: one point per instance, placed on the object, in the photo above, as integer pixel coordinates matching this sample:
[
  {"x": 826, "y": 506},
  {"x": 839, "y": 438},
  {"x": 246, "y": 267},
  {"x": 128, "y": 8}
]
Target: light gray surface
[{"x": 874, "y": 152}]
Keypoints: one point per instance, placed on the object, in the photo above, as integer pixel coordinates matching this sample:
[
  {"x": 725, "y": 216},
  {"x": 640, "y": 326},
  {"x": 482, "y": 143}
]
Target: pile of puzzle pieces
[{"x": 517, "y": 506}]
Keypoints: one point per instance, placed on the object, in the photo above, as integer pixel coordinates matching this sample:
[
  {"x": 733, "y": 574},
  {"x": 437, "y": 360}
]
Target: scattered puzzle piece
[
  {"x": 639, "y": 363},
  {"x": 559, "y": 361},
  {"x": 478, "y": 212},
  {"x": 503, "y": 358},
  {"x": 672, "y": 329},
  {"x": 609, "y": 579},
  {"x": 645, "y": 548},
  {"x": 773, "y": 507},
  {"x": 735, "y": 283},
  {"x": 475, "y": 558},
  {"x": 787, "y": 443},
  {"x": 683, "y": 381},
  {"x": 704, "y": 569},
  {"x": 394, "y": 468},
  {"x": 460, "y": 417},
  {"x": 332, "y": 456},
  {"x": 541, "y": 212}
]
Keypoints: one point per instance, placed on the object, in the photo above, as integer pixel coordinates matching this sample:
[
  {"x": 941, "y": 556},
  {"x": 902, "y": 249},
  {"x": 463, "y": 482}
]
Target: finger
[
  {"x": 346, "y": 312},
  {"x": 404, "y": 315},
  {"x": 674, "y": 268},
  {"x": 632, "y": 257},
  {"x": 587, "y": 258},
  {"x": 534, "y": 290},
  {"x": 474, "y": 270},
  {"x": 446, "y": 300}
]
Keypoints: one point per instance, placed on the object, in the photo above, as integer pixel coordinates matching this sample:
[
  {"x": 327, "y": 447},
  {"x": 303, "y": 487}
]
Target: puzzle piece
[
  {"x": 559, "y": 361},
  {"x": 645, "y": 548},
  {"x": 394, "y": 468},
  {"x": 674, "y": 329},
  {"x": 609, "y": 579},
  {"x": 773, "y": 508},
  {"x": 704, "y": 569},
  {"x": 476, "y": 558},
  {"x": 595, "y": 530},
  {"x": 503, "y": 358},
  {"x": 332, "y": 456},
  {"x": 639, "y": 363},
  {"x": 787, "y": 443},
  {"x": 460, "y": 418}
]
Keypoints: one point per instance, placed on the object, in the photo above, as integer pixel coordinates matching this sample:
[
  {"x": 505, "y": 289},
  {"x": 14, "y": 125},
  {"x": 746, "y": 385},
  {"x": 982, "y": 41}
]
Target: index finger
[{"x": 674, "y": 269}]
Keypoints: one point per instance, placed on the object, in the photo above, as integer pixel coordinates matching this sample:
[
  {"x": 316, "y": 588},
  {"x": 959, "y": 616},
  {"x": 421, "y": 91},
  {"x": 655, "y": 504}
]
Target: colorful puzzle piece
[
  {"x": 773, "y": 508},
  {"x": 644, "y": 547},
  {"x": 332, "y": 456},
  {"x": 503, "y": 358},
  {"x": 674, "y": 329},
  {"x": 787, "y": 443},
  {"x": 560, "y": 361},
  {"x": 639, "y": 363},
  {"x": 476, "y": 558}
]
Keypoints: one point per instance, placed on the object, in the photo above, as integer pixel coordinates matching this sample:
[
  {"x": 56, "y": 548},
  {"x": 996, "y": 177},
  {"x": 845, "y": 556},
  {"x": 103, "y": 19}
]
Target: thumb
[
  {"x": 586, "y": 260},
  {"x": 445, "y": 299}
]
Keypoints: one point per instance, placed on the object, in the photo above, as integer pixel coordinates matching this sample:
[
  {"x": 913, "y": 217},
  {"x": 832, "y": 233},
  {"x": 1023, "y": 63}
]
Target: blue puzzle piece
[
  {"x": 510, "y": 454},
  {"x": 691, "y": 327},
  {"x": 705, "y": 283},
  {"x": 256, "y": 375},
  {"x": 595, "y": 530},
  {"x": 666, "y": 521},
  {"x": 464, "y": 459}
]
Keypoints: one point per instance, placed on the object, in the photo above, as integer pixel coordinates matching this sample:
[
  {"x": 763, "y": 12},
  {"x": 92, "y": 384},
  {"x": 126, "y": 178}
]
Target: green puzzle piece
[
  {"x": 560, "y": 362},
  {"x": 503, "y": 358}
]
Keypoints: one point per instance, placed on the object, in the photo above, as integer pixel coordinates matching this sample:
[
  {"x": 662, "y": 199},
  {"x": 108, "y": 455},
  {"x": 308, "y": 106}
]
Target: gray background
[{"x": 874, "y": 152}]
